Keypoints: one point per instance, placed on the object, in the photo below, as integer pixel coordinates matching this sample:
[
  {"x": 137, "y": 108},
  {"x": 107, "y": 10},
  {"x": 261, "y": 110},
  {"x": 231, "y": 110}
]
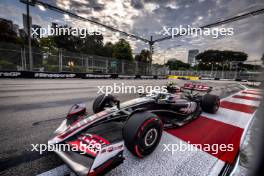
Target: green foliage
[
  {"x": 48, "y": 44},
  {"x": 52, "y": 68},
  {"x": 221, "y": 56},
  {"x": 144, "y": 56},
  {"x": 122, "y": 50},
  {"x": 90, "y": 45},
  {"x": 219, "y": 60},
  {"x": 175, "y": 64},
  {"x": 7, "y": 34},
  {"x": 6, "y": 65},
  {"x": 108, "y": 50}
]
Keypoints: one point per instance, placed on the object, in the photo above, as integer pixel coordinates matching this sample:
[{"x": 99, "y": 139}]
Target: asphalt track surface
[{"x": 32, "y": 109}]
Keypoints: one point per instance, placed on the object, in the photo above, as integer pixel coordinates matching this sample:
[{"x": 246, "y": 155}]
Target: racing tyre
[
  {"x": 210, "y": 103},
  {"x": 142, "y": 133},
  {"x": 102, "y": 101}
]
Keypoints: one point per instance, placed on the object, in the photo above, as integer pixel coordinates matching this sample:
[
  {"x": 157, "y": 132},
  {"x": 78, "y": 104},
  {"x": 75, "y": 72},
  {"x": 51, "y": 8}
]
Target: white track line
[
  {"x": 244, "y": 101},
  {"x": 236, "y": 118},
  {"x": 249, "y": 95}
]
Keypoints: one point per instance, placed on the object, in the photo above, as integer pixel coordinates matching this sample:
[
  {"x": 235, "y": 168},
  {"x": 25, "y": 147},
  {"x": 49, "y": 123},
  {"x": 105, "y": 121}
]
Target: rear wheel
[
  {"x": 210, "y": 103},
  {"x": 142, "y": 133},
  {"x": 103, "y": 101}
]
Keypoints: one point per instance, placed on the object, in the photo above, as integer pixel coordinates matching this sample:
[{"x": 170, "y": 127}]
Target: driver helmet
[{"x": 172, "y": 87}]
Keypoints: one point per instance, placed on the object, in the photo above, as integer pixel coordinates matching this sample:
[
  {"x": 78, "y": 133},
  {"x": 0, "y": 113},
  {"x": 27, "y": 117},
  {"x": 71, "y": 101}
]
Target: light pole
[
  {"x": 29, "y": 37},
  {"x": 212, "y": 67}
]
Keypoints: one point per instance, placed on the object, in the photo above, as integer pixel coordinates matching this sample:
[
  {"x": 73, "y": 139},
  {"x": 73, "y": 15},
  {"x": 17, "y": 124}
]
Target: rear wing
[{"x": 197, "y": 87}]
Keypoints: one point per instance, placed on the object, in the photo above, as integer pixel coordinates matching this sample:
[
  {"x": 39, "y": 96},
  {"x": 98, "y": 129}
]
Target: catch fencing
[{"x": 15, "y": 58}]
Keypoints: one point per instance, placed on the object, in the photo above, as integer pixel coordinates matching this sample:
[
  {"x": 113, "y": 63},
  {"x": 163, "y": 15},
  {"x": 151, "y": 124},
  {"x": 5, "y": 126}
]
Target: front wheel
[{"x": 142, "y": 133}]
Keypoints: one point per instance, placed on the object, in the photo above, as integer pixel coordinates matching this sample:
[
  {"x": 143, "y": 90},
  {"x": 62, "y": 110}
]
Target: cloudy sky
[{"x": 146, "y": 18}]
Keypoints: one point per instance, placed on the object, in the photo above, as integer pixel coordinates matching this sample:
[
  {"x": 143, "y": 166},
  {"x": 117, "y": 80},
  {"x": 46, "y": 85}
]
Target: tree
[
  {"x": 219, "y": 59},
  {"x": 7, "y": 34},
  {"x": 122, "y": 50},
  {"x": 221, "y": 56},
  {"x": 92, "y": 44},
  {"x": 108, "y": 49},
  {"x": 48, "y": 44},
  {"x": 175, "y": 64},
  {"x": 138, "y": 57},
  {"x": 144, "y": 56}
]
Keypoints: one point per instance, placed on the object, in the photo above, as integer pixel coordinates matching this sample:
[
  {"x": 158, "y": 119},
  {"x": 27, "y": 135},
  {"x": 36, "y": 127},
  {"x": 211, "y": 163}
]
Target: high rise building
[
  {"x": 191, "y": 56},
  {"x": 16, "y": 29}
]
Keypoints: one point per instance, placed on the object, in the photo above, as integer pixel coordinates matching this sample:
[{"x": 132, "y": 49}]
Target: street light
[
  {"x": 41, "y": 7},
  {"x": 71, "y": 65}
]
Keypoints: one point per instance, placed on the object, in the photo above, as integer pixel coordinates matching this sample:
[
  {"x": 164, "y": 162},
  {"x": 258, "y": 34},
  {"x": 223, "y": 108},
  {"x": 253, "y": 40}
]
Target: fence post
[
  {"x": 106, "y": 65},
  {"x": 136, "y": 67},
  {"x": 92, "y": 64},
  {"x": 123, "y": 67},
  {"x": 25, "y": 59},
  {"x": 236, "y": 73},
  {"x": 60, "y": 61},
  {"x": 22, "y": 59},
  {"x": 86, "y": 64}
]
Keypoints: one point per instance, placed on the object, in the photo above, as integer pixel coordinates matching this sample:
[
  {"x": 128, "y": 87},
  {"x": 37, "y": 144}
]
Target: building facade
[{"x": 191, "y": 56}]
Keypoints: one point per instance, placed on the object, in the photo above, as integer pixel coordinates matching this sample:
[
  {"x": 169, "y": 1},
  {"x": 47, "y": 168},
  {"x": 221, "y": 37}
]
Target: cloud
[
  {"x": 137, "y": 4},
  {"x": 147, "y": 17}
]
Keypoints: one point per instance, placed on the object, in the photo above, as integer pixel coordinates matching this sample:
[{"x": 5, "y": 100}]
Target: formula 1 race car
[{"x": 96, "y": 143}]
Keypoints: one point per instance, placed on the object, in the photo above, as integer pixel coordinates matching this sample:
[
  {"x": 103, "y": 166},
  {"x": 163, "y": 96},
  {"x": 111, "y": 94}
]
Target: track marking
[
  {"x": 249, "y": 89},
  {"x": 239, "y": 119},
  {"x": 220, "y": 133},
  {"x": 243, "y": 101},
  {"x": 247, "y": 97},
  {"x": 238, "y": 107},
  {"x": 225, "y": 127},
  {"x": 250, "y": 92}
]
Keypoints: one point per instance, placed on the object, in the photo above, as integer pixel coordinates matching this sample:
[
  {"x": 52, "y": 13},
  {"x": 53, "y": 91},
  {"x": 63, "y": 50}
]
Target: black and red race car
[{"x": 92, "y": 145}]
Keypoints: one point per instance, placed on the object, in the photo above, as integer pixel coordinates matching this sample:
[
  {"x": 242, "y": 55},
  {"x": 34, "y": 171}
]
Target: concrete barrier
[{"x": 64, "y": 75}]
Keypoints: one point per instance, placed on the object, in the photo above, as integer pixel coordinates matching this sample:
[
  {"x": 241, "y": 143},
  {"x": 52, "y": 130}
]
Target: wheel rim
[
  {"x": 151, "y": 137},
  {"x": 216, "y": 106}
]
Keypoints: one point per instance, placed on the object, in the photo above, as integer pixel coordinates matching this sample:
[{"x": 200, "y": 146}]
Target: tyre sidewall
[
  {"x": 210, "y": 103},
  {"x": 136, "y": 129}
]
